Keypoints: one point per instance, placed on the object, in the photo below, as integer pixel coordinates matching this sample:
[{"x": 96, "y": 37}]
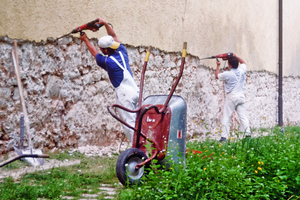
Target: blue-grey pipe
[{"x": 280, "y": 121}]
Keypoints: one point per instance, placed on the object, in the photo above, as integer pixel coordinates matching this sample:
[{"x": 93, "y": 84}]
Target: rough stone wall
[{"x": 67, "y": 94}]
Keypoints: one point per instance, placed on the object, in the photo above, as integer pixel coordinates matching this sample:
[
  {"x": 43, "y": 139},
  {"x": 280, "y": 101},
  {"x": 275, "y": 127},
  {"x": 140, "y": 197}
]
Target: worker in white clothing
[
  {"x": 115, "y": 61},
  {"x": 235, "y": 99}
]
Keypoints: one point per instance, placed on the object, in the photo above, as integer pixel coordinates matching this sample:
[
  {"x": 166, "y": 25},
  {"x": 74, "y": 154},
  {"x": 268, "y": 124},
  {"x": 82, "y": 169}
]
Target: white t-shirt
[{"x": 231, "y": 77}]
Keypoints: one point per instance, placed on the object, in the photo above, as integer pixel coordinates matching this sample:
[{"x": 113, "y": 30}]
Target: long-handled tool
[
  {"x": 224, "y": 56},
  {"x": 24, "y": 120},
  {"x": 23, "y": 156},
  {"x": 93, "y": 26}
]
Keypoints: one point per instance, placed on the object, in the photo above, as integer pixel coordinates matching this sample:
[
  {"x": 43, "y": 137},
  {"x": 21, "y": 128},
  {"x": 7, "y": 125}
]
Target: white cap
[{"x": 108, "y": 42}]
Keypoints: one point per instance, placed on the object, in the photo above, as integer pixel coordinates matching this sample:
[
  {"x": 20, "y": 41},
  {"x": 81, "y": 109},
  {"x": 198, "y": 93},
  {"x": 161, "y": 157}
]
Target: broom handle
[{"x": 16, "y": 65}]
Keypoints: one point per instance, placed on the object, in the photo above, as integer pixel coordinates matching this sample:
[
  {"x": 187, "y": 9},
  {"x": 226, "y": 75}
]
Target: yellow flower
[
  {"x": 221, "y": 131},
  {"x": 251, "y": 165},
  {"x": 204, "y": 168},
  {"x": 206, "y": 150},
  {"x": 262, "y": 163},
  {"x": 255, "y": 171},
  {"x": 220, "y": 145},
  {"x": 259, "y": 162},
  {"x": 259, "y": 168},
  {"x": 223, "y": 152}
]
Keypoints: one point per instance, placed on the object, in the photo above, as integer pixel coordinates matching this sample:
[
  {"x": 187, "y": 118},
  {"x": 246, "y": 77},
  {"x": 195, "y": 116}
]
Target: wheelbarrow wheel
[{"x": 125, "y": 167}]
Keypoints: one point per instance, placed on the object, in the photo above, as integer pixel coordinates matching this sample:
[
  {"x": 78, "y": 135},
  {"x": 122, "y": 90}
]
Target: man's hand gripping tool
[
  {"x": 224, "y": 56},
  {"x": 93, "y": 26}
]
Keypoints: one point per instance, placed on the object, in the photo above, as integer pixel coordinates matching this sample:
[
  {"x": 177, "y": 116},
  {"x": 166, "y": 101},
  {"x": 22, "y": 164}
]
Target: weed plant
[{"x": 251, "y": 168}]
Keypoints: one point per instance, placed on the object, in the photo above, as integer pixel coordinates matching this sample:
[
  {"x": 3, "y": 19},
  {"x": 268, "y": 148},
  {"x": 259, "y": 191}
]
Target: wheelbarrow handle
[
  {"x": 143, "y": 75},
  {"x": 137, "y": 111},
  {"x": 113, "y": 113},
  {"x": 163, "y": 109}
]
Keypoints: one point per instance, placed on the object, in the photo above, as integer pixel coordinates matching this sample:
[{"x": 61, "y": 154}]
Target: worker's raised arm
[
  {"x": 218, "y": 69},
  {"x": 239, "y": 59},
  {"x": 90, "y": 47},
  {"x": 109, "y": 29}
]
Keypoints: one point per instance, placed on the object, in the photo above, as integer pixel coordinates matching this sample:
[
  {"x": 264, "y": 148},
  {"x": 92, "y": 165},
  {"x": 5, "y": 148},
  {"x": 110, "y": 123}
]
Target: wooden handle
[
  {"x": 148, "y": 54},
  {"x": 23, "y": 156},
  {"x": 184, "y": 49},
  {"x": 17, "y": 70},
  {"x": 184, "y": 45}
]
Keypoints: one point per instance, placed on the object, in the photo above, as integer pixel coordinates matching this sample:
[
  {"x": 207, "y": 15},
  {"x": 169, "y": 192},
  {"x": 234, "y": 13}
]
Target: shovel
[{"x": 21, "y": 150}]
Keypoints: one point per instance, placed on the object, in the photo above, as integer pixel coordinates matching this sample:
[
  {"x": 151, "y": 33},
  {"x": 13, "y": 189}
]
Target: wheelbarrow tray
[{"x": 167, "y": 130}]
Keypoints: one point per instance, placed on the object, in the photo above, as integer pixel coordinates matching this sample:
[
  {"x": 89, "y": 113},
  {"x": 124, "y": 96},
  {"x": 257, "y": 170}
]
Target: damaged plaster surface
[
  {"x": 67, "y": 94},
  {"x": 209, "y": 27}
]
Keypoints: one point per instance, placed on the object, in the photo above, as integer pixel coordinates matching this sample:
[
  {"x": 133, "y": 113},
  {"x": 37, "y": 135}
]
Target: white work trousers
[
  {"x": 127, "y": 95},
  {"x": 234, "y": 101},
  {"x": 128, "y": 117}
]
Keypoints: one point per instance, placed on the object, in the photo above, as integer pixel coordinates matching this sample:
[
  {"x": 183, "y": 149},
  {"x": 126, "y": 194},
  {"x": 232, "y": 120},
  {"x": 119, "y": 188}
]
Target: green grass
[
  {"x": 258, "y": 168},
  {"x": 63, "y": 181}
]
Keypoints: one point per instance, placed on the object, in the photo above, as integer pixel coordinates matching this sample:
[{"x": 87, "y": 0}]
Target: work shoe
[{"x": 222, "y": 139}]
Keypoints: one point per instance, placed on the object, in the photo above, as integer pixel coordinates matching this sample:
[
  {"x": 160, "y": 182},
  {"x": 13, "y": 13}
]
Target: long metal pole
[{"x": 280, "y": 121}]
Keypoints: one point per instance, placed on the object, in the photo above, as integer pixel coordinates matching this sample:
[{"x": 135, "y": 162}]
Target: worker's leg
[
  {"x": 129, "y": 118},
  {"x": 242, "y": 113},
  {"x": 228, "y": 109},
  {"x": 129, "y": 100}
]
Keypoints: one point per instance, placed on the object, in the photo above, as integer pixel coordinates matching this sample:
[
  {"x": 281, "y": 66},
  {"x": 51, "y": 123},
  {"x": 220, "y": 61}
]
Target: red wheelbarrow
[{"x": 160, "y": 125}]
